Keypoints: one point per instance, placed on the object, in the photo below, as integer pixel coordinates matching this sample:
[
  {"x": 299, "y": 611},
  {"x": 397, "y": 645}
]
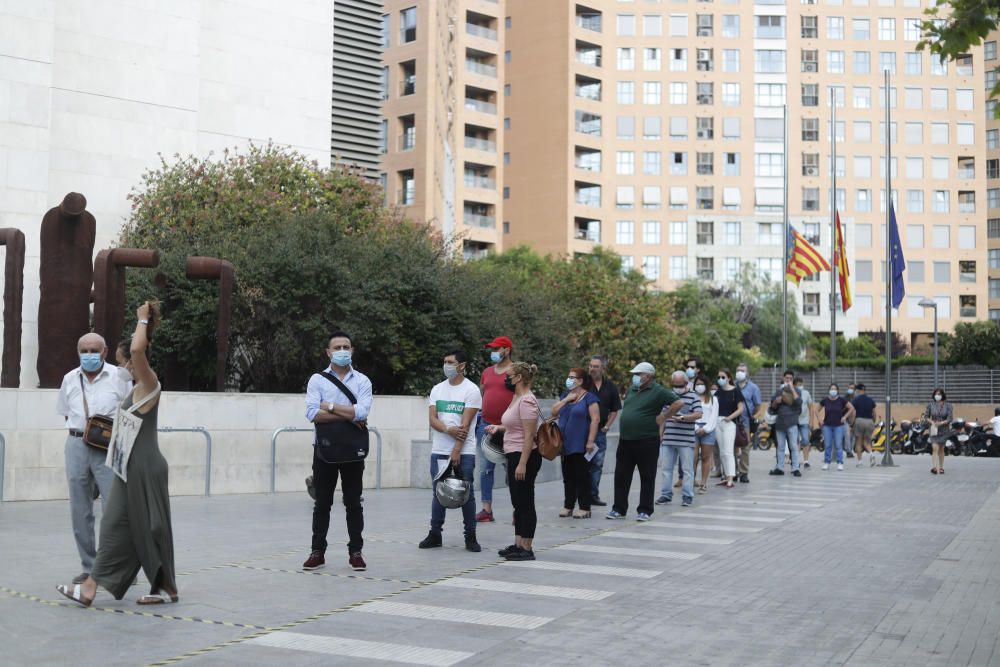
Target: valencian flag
[
  {"x": 803, "y": 259},
  {"x": 898, "y": 263},
  {"x": 843, "y": 272}
]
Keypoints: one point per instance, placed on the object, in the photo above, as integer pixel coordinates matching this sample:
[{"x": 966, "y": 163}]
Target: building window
[
  {"x": 861, "y": 29},
  {"x": 705, "y": 197},
  {"x": 651, "y": 196},
  {"x": 705, "y": 128},
  {"x": 769, "y": 233},
  {"x": 588, "y": 123},
  {"x": 651, "y": 128},
  {"x": 624, "y": 232},
  {"x": 626, "y": 92},
  {"x": 940, "y": 201},
  {"x": 990, "y": 50},
  {"x": 678, "y": 163},
  {"x": 769, "y": 164},
  {"x": 887, "y": 61},
  {"x": 862, "y": 62},
  {"x": 626, "y": 25},
  {"x": 966, "y": 271},
  {"x": 810, "y": 199},
  {"x": 730, "y": 60},
  {"x": 769, "y": 61},
  {"x": 731, "y": 268},
  {"x": 651, "y": 59},
  {"x": 678, "y": 233},
  {"x": 967, "y": 305},
  {"x": 678, "y": 268},
  {"x": 810, "y": 94},
  {"x": 625, "y": 127},
  {"x": 963, "y": 65},
  {"x": 652, "y": 25},
  {"x": 651, "y": 232},
  {"x": 913, "y": 63},
  {"x": 863, "y": 201},
  {"x": 408, "y": 25},
  {"x": 810, "y": 304},
  {"x": 809, "y": 30},
  {"x": 911, "y": 30},
  {"x": 626, "y": 59},
  {"x": 407, "y": 188},
  {"x": 731, "y": 233},
  {"x": 625, "y": 196},
  {"x": 651, "y": 163},
  {"x": 678, "y": 92},
  {"x": 385, "y": 31},
  {"x": 835, "y": 27},
  {"x": 993, "y": 256},
  {"x": 731, "y": 26},
  {"x": 967, "y": 168},
  {"x": 678, "y": 60},
  {"x": 862, "y": 97},
  {"x": 994, "y": 293},
  {"x": 628, "y": 264},
  {"x": 863, "y": 271},
  {"x": 769, "y": 94},
  {"x": 704, "y": 28},
  {"x": 651, "y": 267},
  {"x": 810, "y": 60},
  {"x": 966, "y": 201},
  {"x": 705, "y": 164},
  {"x": 915, "y": 201},
  {"x": 706, "y": 268},
  {"x": 810, "y": 129},
  {"x": 887, "y": 29},
  {"x": 810, "y": 164},
  {"x": 731, "y": 164},
  {"x": 835, "y": 62},
  {"x": 770, "y": 268},
  {"x": 706, "y": 233},
  {"x": 731, "y": 94},
  {"x": 770, "y": 27},
  {"x": 993, "y": 228},
  {"x": 625, "y": 163},
  {"x": 703, "y": 93},
  {"x": 650, "y": 92},
  {"x": 706, "y": 60}
]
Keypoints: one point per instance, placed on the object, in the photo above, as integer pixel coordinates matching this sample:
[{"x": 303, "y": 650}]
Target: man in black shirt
[
  {"x": 610, "y": 403},
  {"x": 864, "y": 424}
]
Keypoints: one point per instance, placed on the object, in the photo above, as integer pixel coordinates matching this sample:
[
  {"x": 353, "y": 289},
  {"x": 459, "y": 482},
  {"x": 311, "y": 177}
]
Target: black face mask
[{"x": 507, "y": 383}]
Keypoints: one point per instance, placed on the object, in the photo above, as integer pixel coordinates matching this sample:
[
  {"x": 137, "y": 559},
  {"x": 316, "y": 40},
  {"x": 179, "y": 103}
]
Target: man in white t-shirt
[
  {"x": 452, "y": 407},
  {"x": 996, "y": 422}
]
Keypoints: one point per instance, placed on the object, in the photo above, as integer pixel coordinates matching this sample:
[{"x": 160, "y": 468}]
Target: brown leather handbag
[
  {"x": 97, "y": 430},
  {"x": 549, "y": 439}
]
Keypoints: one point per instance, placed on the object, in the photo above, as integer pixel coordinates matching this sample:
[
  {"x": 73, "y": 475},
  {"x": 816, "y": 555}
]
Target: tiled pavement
[{"x": 863, "y": 567}]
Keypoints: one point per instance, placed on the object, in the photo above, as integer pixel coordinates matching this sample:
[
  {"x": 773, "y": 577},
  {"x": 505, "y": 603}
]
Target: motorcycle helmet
[
  {"x": 492, "y": 446},
  {"x": 451, "y": 490}
]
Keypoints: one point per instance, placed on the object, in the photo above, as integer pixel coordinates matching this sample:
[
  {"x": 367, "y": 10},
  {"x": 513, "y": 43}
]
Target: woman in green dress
[{"x": 135, "y": 529}]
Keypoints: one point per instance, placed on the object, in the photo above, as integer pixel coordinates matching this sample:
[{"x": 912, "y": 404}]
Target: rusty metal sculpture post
[
  {"x": 13, "y": 296},
  {"x": 211, "y": 268},
  {"x": 109, "y": 288},
  {"x": 66, "y": 273}
]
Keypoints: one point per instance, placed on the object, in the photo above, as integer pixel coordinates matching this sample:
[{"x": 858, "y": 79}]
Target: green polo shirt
[{"x": 638, "y": 416}]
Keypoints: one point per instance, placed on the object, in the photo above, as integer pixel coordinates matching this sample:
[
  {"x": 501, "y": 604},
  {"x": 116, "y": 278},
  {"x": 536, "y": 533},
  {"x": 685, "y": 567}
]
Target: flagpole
[
  {"x": 833, "y": 239},
  {"x": 784, "y": 244},
  {"x": 887, "y": 455}
]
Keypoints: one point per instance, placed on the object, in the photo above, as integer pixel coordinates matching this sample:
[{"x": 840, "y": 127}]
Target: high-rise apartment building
[
  {"x": 992, "y": 179},
  {"x": 656, "y": 129},
  {"x": 443, "y": 116},
  {"x": 357, "y": 71}
]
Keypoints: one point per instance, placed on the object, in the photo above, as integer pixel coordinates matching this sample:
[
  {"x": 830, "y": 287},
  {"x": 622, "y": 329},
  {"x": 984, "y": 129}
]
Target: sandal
[
  {"x": 703, "y": 489},
  {"x": 74, "y": 594},
  {"x": 934, "y": 471},
  {"x": 581, "y": 514},
  {"x": 563, "y": 513},
  {"x": 157, "y": 598},
  {"x": 940, "y": 471},
  {"x": 722, "y": 483},
  {"x": 729, "y": 484}
]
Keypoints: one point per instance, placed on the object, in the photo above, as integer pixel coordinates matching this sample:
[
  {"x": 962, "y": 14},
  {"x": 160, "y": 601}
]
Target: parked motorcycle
[
  {"x": 764, "y": 438},
  {"x": 918, "y": 438},
  {"x": 978, "y": 439},
  {"x": 957, "y": 437}
]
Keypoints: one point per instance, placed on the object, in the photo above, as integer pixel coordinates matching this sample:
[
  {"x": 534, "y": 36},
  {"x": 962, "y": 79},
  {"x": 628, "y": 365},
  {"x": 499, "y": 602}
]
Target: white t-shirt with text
[{"x": 451, "y": 401}]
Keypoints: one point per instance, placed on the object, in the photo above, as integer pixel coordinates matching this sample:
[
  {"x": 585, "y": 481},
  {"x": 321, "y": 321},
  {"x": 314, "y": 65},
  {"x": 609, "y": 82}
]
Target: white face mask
[
  {"x": 700, "y": 388},
  {"x": 740, "y": 376},
  {"x": 833, "y": 393},
  {"x": 938, "y": 397}
]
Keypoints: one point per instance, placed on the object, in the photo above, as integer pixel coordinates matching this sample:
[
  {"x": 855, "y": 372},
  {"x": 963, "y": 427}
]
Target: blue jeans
[
  {"x": 486, "y": 473},
  {"x": 789, "y": 439},
  {"x": 805, "y": 434},
  {"x": 468, "y": 465},
  {"x": 671, "y": 454},
  {"x": 597, "y": 463},
  {"x": 833, "y": 436}
]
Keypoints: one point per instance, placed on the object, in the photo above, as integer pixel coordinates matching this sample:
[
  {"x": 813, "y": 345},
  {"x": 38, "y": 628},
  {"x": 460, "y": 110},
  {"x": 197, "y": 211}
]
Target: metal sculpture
[
  {"x": 109, "y": 288},
  {"x": 211, "y": 268},
  {"x": 13, "y": 297},
  {"x": 66, "y": 273}
]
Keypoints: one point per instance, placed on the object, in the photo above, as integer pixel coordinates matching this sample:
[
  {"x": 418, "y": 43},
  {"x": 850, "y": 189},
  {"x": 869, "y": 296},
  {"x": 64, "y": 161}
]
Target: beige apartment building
[
  {"x": 992, "y": 179},
  {"x": 656, "y": 129},
  {"x": 442, "y": 114}
]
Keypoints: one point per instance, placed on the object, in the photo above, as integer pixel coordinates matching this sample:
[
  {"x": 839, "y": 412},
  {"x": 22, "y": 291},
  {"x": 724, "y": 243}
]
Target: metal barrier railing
[
  {"x": 208, "y": 449},
  {"x": 3, "y": 462},
  {"x": 290, "y": 429}
]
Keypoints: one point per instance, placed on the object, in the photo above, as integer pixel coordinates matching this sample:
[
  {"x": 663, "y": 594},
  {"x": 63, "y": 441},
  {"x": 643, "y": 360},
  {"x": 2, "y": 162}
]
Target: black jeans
[
  {"x": 325, "y": 481},
  {"x": 632, "y": 454},
  {"x": 576, "y": 481},
  {"x": 522, "y": 493}
]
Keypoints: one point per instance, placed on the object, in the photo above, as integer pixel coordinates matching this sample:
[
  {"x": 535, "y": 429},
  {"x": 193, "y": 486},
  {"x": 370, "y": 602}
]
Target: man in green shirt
[{"x": 639, "y": 446}]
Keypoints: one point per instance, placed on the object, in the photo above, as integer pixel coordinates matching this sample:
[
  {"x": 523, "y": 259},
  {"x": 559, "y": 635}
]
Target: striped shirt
[{"x": 681, "y": 433}]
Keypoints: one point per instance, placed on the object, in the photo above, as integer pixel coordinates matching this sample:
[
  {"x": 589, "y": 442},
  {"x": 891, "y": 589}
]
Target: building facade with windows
[
  {"x": 656, "y": 129},
  {"x": 443, "y": 116},
  {"x": 992, "y": 179}
]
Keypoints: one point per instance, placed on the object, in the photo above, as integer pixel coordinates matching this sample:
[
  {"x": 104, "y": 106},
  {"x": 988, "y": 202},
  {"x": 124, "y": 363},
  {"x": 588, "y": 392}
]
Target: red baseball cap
[{"x": 501, "y": 341}]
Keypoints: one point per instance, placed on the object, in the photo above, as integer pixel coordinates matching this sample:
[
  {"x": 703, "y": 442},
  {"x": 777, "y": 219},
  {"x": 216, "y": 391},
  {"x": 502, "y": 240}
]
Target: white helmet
[
  {"x": 451, "y": 490},
  {"x": 492, "y": 446}
]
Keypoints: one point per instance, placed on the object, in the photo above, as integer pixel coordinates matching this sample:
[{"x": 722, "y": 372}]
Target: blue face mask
[
  {"x": 90, "y": 361},
  {"x": 689, "y": 373},
  {"x": 341, "y": 358},
  {"x": 636, "y": 381},
  {"x": 496, "y": 357},
  {"x": 570, "y": 383}
]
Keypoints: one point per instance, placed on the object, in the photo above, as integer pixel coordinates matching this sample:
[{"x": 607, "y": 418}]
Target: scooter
[
  {"x": 764, "y": 438},
  {"x": 978, "y": 440},
  {"x": 918, "y": 439},
  {"x": 957, "y": 438}
]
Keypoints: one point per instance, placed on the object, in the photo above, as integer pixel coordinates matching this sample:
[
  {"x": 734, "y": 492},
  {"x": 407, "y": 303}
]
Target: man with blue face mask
[
  {"x": 326, "y": 402},
  {"x": 95, "y": 388}
]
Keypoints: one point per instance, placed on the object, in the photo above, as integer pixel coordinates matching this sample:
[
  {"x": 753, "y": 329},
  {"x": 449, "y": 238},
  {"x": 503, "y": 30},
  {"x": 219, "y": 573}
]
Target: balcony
[
  {"x": 474, "y": 180},
  {"x": 481, "y": 68},
  {"x": 481, "y": 106},
  {"x": 407, "y": 141},
  {"x": 480, "y": 31},
  {"x": 408, "y": 86},
  {"x": 587, "y": 230},
  {"x": 590, "y": 22},
  {"x": 588, "y": 55},
  {"x": 589, "y": 91},
  {"x": 481, "y": 144},
  {"x": 591, "y": 127},
  {"x": 479, "y": 220},
  {"x": 473, "y": 250}
]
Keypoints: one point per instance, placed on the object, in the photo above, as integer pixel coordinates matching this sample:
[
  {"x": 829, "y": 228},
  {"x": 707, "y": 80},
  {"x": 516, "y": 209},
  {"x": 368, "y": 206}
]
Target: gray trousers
[{"x": 85, "y": 468}]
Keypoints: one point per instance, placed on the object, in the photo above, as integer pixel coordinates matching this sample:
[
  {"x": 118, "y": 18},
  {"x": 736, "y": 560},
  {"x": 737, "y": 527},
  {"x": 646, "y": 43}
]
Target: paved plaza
[{"x": 861, "y": 567}]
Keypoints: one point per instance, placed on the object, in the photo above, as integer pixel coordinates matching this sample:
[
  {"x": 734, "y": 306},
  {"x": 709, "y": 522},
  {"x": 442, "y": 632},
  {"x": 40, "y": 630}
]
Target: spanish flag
[
  {"x": 803, "y": 259},
  {"x": 843, "y": 272}
]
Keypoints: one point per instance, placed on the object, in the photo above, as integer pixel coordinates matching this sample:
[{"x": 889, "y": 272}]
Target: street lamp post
[{"x": 930, "y": 303}]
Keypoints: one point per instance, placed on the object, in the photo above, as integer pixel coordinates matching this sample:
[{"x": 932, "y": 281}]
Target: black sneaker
[
  {"x": 850, "y": 455},
  {"x": 744, "y": 479},
  {"x": 663, "y": 500},
  {"x": 521, "y": 554},
  {"x": 777, "y": 471},
  {"x": 796, "y": 473},
  {"x": 596, "y": 501},
  {"x": 432, "y": 540},
  {"x": 471, "y": 544},
  {"x": 508, "y": 550}
]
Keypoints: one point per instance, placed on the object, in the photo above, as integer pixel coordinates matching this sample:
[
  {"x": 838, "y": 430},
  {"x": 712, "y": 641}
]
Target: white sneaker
[
  {"x": 858, "y": 464},
  {"x": 840, "y": 466},
  {"x": 826, "y": 466},
  {"x": 873, "y": 461}
]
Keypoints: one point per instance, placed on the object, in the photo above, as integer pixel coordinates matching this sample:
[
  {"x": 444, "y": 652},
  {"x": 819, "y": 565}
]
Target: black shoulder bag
[{"x": 341, "y": 441}]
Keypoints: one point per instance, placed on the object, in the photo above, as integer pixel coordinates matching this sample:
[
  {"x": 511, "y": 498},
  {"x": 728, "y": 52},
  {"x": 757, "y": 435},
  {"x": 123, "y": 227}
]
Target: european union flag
[{"x": 898, "y": 262}]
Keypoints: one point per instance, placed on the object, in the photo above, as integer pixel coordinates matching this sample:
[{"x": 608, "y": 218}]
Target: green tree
[
  {"x": 712, "y": 320},
  {"x": 975, "y": 343},
  {"x": 764, "y": 310}
]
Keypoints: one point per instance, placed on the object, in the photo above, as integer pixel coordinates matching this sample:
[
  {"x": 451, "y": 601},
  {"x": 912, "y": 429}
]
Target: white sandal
[{"x": 74, "y": 594}]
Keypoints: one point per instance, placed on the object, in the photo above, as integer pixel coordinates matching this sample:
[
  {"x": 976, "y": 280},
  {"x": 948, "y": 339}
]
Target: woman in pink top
[{"x": 518, "y": 425}]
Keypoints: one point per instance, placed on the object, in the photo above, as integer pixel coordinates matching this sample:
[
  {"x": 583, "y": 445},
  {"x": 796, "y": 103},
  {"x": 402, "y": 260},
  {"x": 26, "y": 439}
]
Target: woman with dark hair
[
  {"x": 579, "y": 416},
  {"x": 939, "y": 412},
  {"x": 704, "y": 433},
  {"x": 730, "y": 401},
  {"x": 136, "y": 532}
]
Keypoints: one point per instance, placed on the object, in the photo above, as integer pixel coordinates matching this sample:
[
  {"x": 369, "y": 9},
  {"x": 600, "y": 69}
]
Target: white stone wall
[
  {"x": 92, "y": 92},
  {"x": 241, "y": 426}
]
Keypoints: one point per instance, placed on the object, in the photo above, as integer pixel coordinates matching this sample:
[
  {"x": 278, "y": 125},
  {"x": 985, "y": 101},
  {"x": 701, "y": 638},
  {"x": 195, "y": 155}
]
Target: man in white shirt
[
  {"x": 95, "y": 388},
  {"x": 996, "y": 422},
  {"x": 452, "y": 407}
]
